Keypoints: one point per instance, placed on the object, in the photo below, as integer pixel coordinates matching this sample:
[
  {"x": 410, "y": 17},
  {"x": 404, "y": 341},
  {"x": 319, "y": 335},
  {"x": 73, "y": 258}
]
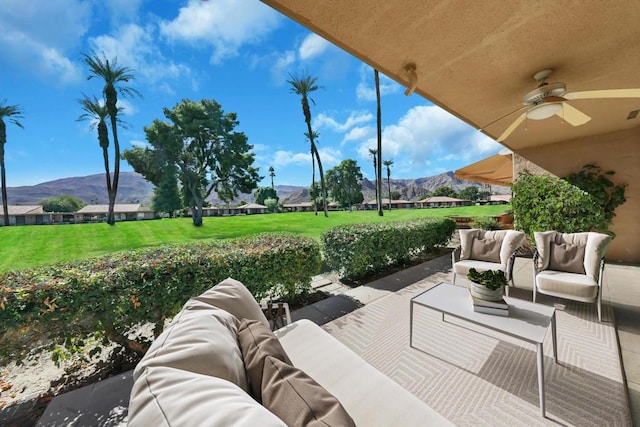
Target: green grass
[{"x": 28, "y": 246}]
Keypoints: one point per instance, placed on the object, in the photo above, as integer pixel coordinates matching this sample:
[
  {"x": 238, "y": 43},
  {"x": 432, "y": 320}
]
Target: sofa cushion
[
  {"x": 485, "y": 250},
  {"x": 566, "y": 257},
  {"x": 165, "y": 396},
  {"x": 232, "y": 296},
  {"x": 297, "y": 399},
  {"x": 256, "y": 343},
  {"x": 201, "y": 339}
]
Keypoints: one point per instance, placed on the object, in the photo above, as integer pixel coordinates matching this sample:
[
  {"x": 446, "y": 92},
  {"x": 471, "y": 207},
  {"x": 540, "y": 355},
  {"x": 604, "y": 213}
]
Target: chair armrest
[
  {"x": 455, "y": 255},
  {"x": 277, "y": 314},
  {"x": 536, "y": 259},
  {"x": 602, "y": 263},
  {"x": 510, "y": 263}
]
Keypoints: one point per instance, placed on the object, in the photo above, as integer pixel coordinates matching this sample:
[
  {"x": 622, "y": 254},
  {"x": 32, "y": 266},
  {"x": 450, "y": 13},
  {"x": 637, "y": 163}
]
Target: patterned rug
[{"x": 474, "y": 376}]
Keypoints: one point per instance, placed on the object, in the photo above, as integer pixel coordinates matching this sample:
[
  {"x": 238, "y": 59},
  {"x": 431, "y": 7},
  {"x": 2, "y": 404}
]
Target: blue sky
[{"x": 239, "y": 53}]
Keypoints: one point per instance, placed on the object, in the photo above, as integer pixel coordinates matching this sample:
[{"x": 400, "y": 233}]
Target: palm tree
[
  {"x": 303, "y": 86},
  {"x": 113, "y": 76},
  {"x": 374, "y": 155},
  {"x": 379, "y": 150},
  {"x": 272, "y": 173},
  {"x": 96, "y": 111},
  {"x": 388, "y": 164},
  {"x": 13, "y": 114}
]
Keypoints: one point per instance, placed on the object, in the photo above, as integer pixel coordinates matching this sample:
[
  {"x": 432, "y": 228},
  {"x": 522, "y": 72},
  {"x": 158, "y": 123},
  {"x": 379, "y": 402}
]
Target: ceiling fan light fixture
[{"x": 544, "y": 111}]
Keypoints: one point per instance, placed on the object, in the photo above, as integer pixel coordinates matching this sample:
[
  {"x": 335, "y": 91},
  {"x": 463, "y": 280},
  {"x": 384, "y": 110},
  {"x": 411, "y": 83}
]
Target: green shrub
[
  {"x": 542, "y": 202},
  {"x": 356, "y": 251},
  {"x": 485, "y": 223},
  {"x": 597, "y": 183},
  {"x": 106, "y": 297}
]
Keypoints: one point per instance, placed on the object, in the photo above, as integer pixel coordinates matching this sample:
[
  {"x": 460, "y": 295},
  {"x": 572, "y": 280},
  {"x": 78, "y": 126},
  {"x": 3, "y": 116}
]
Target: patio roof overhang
[{"x": 476, "y": 59}]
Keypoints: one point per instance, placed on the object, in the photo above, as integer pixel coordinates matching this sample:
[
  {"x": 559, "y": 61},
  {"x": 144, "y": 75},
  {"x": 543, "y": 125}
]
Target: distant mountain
[{"x": 133, "y": 188}]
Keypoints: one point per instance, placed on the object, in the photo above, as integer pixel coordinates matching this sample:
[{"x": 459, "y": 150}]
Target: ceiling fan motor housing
[{"x": 538, "y": 95}]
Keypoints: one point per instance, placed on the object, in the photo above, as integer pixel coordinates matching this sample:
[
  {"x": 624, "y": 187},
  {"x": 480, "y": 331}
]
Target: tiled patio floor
[{"x": 102, "y": 403}]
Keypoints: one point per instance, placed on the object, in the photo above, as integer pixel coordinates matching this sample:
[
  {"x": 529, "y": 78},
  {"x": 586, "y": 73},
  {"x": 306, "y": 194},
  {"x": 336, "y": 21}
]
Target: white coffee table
[{"x": 527, "y": 321}]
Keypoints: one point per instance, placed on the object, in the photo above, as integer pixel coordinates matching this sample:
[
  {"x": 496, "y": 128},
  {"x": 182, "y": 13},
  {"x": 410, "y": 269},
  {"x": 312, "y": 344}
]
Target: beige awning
[{"x": 496, "y": 170}]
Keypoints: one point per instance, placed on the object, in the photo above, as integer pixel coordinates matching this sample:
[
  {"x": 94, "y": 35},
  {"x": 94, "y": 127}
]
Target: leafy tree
[
  {"x": 543, "y": 202},
  {"x": 166, "y": 195},
  {"x": 209, "y": 155},
  {"x": 113, "y": 76},
  {"x": 469, "y": 193},
  {"x": 264, "y": 193},
  {"x": 379, "y": 149},
  {"x": 303, "y": 86},
  {"x": 271, "y": 204},
  {"x": 272, "y": 173},
  {"x": 13, "y": 114},
  {"x": 444, "y": 190},
  {"x": 344, "y": 183},
  {"x": 597, "y": 183},
  {"x": 62, "y": 203},
  {"x": 388, "y": 164},
  {"x": 395, "y": 195}
]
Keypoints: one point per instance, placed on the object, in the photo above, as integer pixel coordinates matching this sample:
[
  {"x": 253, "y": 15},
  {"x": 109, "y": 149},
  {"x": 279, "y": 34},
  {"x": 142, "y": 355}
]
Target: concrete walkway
[{"x": 105, "y": 403}]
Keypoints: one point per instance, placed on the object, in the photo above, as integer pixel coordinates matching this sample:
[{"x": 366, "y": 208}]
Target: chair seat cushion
[
  {"x": 569, "y": 285},
  {"x": 463, "y": 267}
]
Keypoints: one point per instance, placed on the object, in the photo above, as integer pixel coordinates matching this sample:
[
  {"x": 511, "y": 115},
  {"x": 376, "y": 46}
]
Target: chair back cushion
[
  {"x": 571, "y": 252},
  {"x": 478, "y": 244}
]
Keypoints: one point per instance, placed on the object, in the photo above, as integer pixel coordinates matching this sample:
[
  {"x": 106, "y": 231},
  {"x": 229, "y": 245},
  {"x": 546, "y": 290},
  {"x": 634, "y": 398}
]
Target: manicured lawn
[{"x": 26, "y": 246}]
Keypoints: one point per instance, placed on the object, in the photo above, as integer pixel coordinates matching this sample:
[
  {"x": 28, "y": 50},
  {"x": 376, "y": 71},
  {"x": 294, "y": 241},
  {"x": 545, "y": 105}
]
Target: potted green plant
[{"x": 487, "y": 285}]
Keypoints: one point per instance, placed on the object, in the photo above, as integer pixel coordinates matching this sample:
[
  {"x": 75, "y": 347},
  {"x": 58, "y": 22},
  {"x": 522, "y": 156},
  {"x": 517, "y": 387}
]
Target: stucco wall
[{"x": 618, "y": 151}]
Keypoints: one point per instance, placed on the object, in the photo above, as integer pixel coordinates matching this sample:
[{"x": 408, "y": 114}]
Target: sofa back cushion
[
  {"x": 201, "y": 339},
  {"x": 232, "y": 296},
  {"x": 167, "y": 397},
  {"x": 256, "y": 343},
  {"x": 298, "y": 400}
]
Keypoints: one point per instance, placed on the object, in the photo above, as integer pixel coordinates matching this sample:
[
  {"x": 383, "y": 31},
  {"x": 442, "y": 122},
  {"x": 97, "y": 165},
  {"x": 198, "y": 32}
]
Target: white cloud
[
  {"x": 279, "y": 70},
  {"x": 38, "y": 36},
  {"x": 322, "y": 120},
  {"x": 330, "y": 157},
  {"x": 358, "y": 133},
  {"x": 283, "y": 158},
  {"x": 312, "y": 46},
  {"x": 364, "y": 92},
  {"x": 426, "y": 135},
  {"x": 134, "y": 47},
  {"x": 122, "y": 10},
  {"x": 225, "y": 25}
]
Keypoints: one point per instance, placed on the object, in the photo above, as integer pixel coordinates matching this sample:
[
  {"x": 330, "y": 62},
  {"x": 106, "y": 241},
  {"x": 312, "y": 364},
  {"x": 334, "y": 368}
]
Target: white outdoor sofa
[{"x": 194, "y": 373}]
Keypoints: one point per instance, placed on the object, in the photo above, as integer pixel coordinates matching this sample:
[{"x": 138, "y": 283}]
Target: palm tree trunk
[
  {"x": 116, "y": 173},
  {"x": 5, "y": 204},
  {"x": 322, "y": 183},
  {"x": 389, "y": 185},
  {"x": 379, "y": 154},
  {"x": 313, "y": 177}
]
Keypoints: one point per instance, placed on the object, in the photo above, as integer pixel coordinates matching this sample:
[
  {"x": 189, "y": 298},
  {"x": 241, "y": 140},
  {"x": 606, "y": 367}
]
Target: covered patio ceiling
[{"x": 477, "y": 59}]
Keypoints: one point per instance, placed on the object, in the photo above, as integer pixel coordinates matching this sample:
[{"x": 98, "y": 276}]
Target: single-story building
[
  {"x": 442, "y": 202},
  {"x": 123, "y": 212},
  {"x": 25, "y": 215}
]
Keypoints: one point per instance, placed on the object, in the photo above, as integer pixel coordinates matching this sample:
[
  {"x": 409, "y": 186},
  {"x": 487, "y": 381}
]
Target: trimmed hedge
[
  {"x": 356, "y": 251},
  {"x": 106, "y": 297}
]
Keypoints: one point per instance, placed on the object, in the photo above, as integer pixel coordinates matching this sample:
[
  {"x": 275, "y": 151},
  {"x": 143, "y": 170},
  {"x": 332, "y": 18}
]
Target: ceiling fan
[{"x": 550, "y": 99}]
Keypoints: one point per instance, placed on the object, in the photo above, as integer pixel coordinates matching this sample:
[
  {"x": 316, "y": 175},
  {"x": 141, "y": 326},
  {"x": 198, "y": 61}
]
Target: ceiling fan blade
[
  {"x": 512, "y": 127},
  {"x": 610, "y": 93},
  {"x": 572, "y": 115}
]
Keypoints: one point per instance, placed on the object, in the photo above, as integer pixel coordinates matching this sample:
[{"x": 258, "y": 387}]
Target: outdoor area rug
[{"x": 474, "y": 376}]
